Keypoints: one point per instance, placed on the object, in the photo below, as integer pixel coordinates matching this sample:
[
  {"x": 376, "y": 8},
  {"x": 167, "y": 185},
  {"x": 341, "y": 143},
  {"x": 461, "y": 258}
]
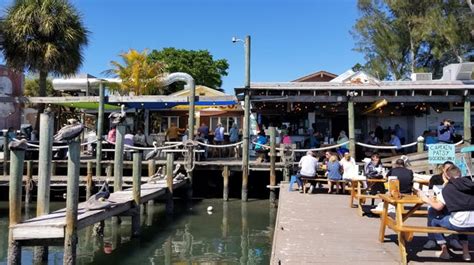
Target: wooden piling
[
  {"x": 54, "y": 166},
  {"x": 245, "y": 148},
  {"x": 16, "y": 179},
  {"x": 225, "y": 175},
  {"x": 225, "y": 220},
  {"x": 420, "y": 146},
  {"x": 118, "y": 158},
  {"x": 89, "y": 185},
  {"x": 46, "y": 168},
  {"x": 169, "y": 183},
  {"x": 29, "y": 183},
  {"x": 244, "y": 236},
  {"x": 109, "y": 170},
  {"x": 467, "y": 129},
  {"x": 151, "y": 167},
  {"x": 272, "y": 165},
  {"x": 70, "y": 237},
  {"x": 137, "y": 174},
  {"x": 5, "y": 144},
  {"x": 100, "y": 130}
]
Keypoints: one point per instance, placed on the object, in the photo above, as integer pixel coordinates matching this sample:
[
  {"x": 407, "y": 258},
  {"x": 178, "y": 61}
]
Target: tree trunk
[
  {"x": 412, "y": 55},
  {"x": 42, "y": 93}
]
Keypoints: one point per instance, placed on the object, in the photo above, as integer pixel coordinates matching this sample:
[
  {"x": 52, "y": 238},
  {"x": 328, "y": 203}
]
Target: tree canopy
[
  {"x": 31, "y": 88},
  {"x": 399, "y": 37},
  {"x": 138, "y": 74},
  {"x": 200, "y": 64}
]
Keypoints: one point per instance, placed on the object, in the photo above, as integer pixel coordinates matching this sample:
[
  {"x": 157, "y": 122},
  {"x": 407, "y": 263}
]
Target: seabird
[
  {"x": 118, "y": 117},
  {"x": 99, "y": 200},
  {"x": 154, "y": 153},
  {"x": 70, "y": 131},
  {"x": 18, "y": 145},
  {"x": 157, "y": 176}
]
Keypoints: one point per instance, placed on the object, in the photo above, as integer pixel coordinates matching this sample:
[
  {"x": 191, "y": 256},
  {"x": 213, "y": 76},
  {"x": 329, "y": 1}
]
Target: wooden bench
[
  {"x": 357, "y": 193},
  {"x": 307, "y": 180}
]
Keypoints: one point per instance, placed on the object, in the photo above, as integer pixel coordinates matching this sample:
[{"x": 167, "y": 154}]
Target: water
[{"x": 234, "y": 233}]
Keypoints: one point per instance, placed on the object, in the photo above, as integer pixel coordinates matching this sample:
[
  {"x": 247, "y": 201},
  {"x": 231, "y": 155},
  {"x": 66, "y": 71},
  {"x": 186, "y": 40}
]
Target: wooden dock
[
  {"x": 321, "y": 228},
  {"x": 50, "y": 228}
]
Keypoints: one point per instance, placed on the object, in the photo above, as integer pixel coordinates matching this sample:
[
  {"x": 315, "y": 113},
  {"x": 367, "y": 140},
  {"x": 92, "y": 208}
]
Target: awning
[
  {"x": 89, "y": 105},
  {"x": 182, "y": 105}
]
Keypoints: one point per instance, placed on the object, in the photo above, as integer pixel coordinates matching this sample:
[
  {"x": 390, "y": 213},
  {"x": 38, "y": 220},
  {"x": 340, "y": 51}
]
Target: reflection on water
[{"x": 234, "y": 233}]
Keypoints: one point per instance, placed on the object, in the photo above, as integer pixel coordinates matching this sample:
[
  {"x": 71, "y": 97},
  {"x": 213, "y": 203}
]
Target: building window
[
  {"x": 226, "y": 122},
  {"x": 166, "y": 122}
]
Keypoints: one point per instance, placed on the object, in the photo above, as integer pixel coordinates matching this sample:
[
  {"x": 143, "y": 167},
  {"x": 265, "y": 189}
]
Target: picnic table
[
  {"x": 358, "y": 192},
  {"x": 397, "y": 224}
]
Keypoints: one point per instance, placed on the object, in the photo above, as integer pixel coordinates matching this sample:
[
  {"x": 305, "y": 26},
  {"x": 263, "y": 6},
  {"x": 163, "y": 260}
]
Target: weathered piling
[
  {"x": 5, "y": 144},
  {"x": 16, "y": 176},
  {"x": 100, "y": 130},
  {"x": 109, "y": 170},
  {"x": 118, "y": 158},
  {"x": 169, "y": 183},
  {"x": 245, "y": 148},
  {"x": 225, "y": 220},
  {"x": 420, "y": 146},
  {"x": 350, "y": 120},
  {"x": 151, "y": 171},
  {"x": 28, "y": 183},
  {"x": 89, "y": 185},
  {"x": 168, "y": 251},
  {"x": 225, "y": 176},
  {"x": 467, "y": 128},
  {"x": 137, "y": 174},
  {"x": 272, "y": 165},
  {"x": 45, "y": 169},
  {"x": 72, "y": 200},
  {"x": 244, "y": 236}
]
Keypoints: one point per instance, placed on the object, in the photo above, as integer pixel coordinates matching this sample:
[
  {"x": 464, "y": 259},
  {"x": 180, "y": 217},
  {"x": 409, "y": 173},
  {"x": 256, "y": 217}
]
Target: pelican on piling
[
  {"x": 118, "y": 117},
  {"x": 70, "y": 131},
  {"x": 18, "y": 145},
  {"x": 154, "y": 153}
]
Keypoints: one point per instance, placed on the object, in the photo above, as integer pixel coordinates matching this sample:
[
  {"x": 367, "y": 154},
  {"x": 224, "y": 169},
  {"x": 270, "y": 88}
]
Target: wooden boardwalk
[
  {"x": 52, "y": 226},
  {"x": 321, "y": 228}
]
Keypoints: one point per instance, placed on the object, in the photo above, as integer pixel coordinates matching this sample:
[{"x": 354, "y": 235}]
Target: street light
[{"x": 246, "y": 123}]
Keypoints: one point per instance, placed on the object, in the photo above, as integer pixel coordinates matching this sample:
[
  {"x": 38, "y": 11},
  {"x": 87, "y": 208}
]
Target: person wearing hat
[{"x": 308, "y": 165}]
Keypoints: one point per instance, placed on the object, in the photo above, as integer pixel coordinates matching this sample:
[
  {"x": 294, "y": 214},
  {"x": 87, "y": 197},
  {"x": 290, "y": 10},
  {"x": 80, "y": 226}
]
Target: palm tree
[
  {"x": 138, "y": 74},
  {"x": 43, "y": 36}
]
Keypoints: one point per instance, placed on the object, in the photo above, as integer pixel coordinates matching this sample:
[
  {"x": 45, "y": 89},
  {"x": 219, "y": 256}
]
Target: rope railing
[
  {"x": 147, "y": 148},
  {"x": 455, "y": 144},
  {"x": 320, "y": 148},
  {"x": 220, "y": 146},
  {"x": 386, "y": 146},
  {"x": 57, "y": 147}
]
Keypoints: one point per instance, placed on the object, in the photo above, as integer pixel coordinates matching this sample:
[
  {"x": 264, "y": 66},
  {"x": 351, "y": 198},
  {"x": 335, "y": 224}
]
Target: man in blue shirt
[{"x": 446, "y": 131}]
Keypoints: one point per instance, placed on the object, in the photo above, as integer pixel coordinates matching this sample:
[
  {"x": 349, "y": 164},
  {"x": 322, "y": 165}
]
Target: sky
[{"x": 290, "y": 38}]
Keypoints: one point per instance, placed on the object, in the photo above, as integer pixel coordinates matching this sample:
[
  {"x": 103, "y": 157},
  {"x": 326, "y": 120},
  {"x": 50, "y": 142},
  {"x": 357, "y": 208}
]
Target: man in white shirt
[{"x": 308, "y": 165}]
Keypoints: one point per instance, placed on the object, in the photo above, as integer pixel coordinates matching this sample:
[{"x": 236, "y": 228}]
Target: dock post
[
  {"x": 16, "y": 179},
  {"x": 89, "y": 185},
  {"x": 244, "y": 236},
  {"x": 420, "y": 147},
  {"x": 100, "y": 130},
  {"x": 46, "y": 168},
  {"x": 29, "y": 183},
  {"x": 108, "y": 170},
  {"x": 467, "y": 129},
  {"x": 5, "y": 137},
  {"x": 225, "y": 219},
  {"x": 72, "y": 201},
  {"x": 272, "y": 165},
  {"x": 169, "y": 183},
  {"x": 245, "y": 148},
  {"x": 225, "y": 175},
  {"x": 350, "y": 115},
  {"x": 137, "y": 175},
  {"x": 151, "y": 171},
  {"x": 54, "y": 165},
  {"x": 118, "y": 158}
]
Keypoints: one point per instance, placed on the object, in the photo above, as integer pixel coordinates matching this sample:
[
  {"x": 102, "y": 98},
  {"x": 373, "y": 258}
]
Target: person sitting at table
[
  {"x": 404, "y": 175},
  {"x": 395, "y": 141},
  {"x": 440, "y": 179},
  {"x": 457, "y": 197},
  {"x": 349, "y": 167},
  {"x": 334, "y": 172},
  {"x": 259, "y": 146},
  {"x": 139, "y": 138},
  {"x": 373, "y": 170},
  {"x": 342, "y": 139},
  {"x": 308, "y": 165}
]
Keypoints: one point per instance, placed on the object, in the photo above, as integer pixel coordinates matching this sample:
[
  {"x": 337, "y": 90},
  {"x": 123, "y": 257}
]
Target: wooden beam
[{"x": 360, "y": 99}]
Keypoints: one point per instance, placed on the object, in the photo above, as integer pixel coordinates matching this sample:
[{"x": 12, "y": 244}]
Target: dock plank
[{"x": 52, "y": 226}]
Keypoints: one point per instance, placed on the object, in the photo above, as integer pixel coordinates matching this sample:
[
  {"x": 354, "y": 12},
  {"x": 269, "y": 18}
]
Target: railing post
[
  {"x": 169, "y": 183},
  {"x": 45, "y": 169},
  {"x": 72, "y": 201},
  {"x": 420, "y": 146},
  {"x": 89, "y": 185},
  {"x": 16, "y": 178},
  {"x": 100, "y": 130},
  {"x": 272, "y": 165},
  {"x": 225, "y": 175},
  {"x": 137, "y": 175},
  {"x": 118, "y": 158}
]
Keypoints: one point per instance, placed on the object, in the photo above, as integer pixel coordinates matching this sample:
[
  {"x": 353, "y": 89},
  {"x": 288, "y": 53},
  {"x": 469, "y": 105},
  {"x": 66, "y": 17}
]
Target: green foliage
[
  {"x": 32, "y": 87},
  {"x": 399, "y": 37},
  {"x": 138, "y": 74},
  {"x": 199, "y": 64}
]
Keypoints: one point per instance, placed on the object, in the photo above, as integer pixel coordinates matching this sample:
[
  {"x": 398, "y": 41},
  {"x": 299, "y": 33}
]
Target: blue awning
[{"x": 169, "y": 105}]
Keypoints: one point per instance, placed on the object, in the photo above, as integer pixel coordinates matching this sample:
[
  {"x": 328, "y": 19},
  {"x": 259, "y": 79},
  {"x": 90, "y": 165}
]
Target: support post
[
  {"x": 89, "y": 185},
  {"x": 420, "y": 146},
  {"x": 169, "y": 183},
  {"x": 244, "y": 236},
  {"x": 45, "y": 169},
  {"x": 16, "y": 178},
  {"x": 109, "y": 170},
  {"x": 137, "y": 175},
  {"x": 225, "y": 175},
  {"x": 246, "y": 135},
  {"x": 151, "y": 167},
  {"x": 100, "y": 131},
  {"x": 5, "y": 144},
  {"x": 72, "y": 201},
  {"x": 467, "y": 129},
  {"x": 272, "y": 165},
  {"x": 118, "y": 158},
  {"x": 350, "y": 114},
  {"x": 54, "y": 165},
  {"x": 29, "y": 183}
]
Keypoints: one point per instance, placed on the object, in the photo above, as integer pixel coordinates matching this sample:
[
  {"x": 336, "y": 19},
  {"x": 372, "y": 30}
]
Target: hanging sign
[{"x": 440, "y": 153}]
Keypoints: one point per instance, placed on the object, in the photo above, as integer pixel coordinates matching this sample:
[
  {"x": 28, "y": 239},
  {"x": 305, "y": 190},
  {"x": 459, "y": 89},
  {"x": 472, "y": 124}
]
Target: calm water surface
[{"x": 234, "y": 233}]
